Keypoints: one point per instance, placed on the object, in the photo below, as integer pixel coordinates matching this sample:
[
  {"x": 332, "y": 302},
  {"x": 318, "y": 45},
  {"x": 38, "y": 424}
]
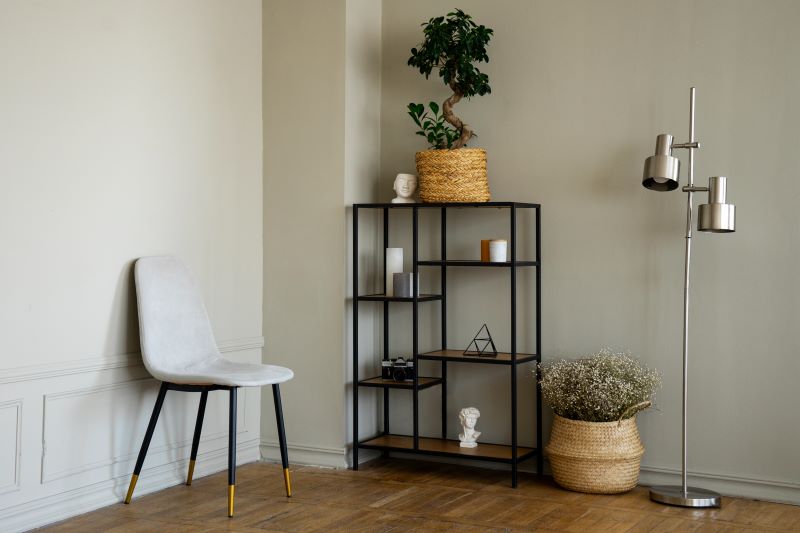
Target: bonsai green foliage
[
  {"x": 439, "y": 134},
  {"x": 600, "y": 388},
  {"x": 451, "y": 45}
]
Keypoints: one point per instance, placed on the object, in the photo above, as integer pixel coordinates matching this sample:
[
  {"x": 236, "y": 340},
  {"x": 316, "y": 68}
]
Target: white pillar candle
[
  {"x": 498, "y": 251},
  {"x": 394, "y": 265}
]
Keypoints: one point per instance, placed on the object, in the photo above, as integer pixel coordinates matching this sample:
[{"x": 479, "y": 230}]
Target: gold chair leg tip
[
  {"x": 231, "y": 490},
  {"x": 190, "y": 475},
  {"x": 132, "y": 486},
  {"x": 287, "y": 480}
]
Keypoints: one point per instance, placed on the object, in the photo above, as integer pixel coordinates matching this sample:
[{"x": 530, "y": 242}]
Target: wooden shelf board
[
  {"x": 424, "y": 383},
  {"x": 475, "y": 263},
  {"x": 503, "y": 358},
  {"x": 384, "y": 298},
  {"x": 405, "y": 443}
]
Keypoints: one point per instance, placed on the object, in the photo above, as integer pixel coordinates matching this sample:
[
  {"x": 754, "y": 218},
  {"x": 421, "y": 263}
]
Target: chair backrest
[{"x": 174, "y": 328}]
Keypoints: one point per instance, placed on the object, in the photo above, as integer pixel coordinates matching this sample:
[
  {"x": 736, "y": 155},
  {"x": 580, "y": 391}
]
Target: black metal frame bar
[
  {"x": 539, "y": 440},
  {"x": 472, "y": 263},
  {"x": 444, "y": 263},
  {"x": 415, "y": 322},
  {"x": 514, "y": 436},
  {"x": 443, "y": 274},
  {"x": 404, "y": 385},
  {"x": 409, "y": 299},
  {"x": 447, "y": 205},
  {"x": 385, "y": 323},
  {"x": 433, "y": 356},
  {"x": 355, "y": 336}
]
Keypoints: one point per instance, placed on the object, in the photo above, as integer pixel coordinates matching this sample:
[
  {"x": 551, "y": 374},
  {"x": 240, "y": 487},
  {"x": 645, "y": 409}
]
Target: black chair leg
[
  {"x": 198, "y": 428},
  {"x": 146, "y": 443},
  {"x": 276, "y": 395},
  {"x": 231, "y": 451}
]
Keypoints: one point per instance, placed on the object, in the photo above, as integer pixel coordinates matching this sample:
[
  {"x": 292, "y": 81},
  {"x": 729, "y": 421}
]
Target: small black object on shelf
[
  {"x": 477, "y": 340},
  {"x": 398, "y": 369}
]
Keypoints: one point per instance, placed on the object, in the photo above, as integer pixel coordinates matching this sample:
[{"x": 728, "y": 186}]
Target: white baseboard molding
[
  {"x": 82, "y": 500},
  {"x": 756, "y": 489},
  {"x": 302, "y": 454}
]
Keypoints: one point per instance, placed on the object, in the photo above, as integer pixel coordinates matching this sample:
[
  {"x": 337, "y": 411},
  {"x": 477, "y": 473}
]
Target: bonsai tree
[{"x": 451, "y": 45}]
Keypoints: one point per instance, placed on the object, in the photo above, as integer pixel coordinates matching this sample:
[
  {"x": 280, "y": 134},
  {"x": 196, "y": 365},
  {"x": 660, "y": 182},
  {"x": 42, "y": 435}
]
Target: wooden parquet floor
[{"x": 398, "y": 495}]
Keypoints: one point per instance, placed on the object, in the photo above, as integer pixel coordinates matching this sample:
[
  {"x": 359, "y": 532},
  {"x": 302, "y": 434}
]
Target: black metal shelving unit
[{"x": 512, "y": 453}]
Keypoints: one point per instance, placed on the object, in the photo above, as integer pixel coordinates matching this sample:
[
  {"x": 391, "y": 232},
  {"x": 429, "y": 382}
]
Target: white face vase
[{"x": 405, "y": 185}]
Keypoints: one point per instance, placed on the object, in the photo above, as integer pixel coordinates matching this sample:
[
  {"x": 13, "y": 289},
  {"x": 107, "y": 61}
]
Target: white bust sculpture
[
  {"x": 405, "y": 185},
  {"x": 468, "y": 417}
]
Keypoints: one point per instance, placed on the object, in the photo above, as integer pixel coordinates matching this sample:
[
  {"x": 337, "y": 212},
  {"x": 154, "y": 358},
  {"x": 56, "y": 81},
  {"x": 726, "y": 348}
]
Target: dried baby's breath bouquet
[{"x": 599, "y": 388}]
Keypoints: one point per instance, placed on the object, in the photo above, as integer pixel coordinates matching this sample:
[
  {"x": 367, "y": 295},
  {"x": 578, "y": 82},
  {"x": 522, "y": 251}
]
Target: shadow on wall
[{"x": 122, "y": 333}]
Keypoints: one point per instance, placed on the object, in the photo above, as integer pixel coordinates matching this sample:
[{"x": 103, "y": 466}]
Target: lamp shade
[
  {"x": 717, "y": 216},
  {"x": 662, "y": 169}
]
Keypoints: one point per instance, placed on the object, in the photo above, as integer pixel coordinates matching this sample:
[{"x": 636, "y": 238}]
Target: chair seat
[{"x": 221, "y": 371}]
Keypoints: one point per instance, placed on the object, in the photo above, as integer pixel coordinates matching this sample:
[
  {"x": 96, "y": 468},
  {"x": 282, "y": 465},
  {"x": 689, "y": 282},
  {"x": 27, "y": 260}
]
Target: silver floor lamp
[{"x": 661, "y": 174}]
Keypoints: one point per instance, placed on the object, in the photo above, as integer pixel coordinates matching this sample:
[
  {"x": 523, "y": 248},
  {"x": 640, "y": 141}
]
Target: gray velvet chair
[{"x": 178, "y": 348}]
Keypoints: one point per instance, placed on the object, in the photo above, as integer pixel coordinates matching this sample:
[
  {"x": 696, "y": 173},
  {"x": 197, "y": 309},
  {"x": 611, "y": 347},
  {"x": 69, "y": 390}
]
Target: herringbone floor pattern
[{"x": 397, "y": 495}]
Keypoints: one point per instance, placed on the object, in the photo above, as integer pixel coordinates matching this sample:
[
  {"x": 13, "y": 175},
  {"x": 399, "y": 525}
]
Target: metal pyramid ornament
[{"x": 481, "y": 344}]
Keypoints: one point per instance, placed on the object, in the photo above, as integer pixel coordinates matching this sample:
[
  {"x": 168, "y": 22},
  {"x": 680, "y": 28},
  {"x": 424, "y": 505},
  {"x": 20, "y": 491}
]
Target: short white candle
[
  {"x": 498, "y": 251},
  {"x": 394, "y": 265}
]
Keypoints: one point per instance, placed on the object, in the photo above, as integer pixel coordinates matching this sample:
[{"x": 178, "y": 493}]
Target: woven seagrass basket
[
  {"x": 453, "y": 175},
  {"x": 595, "y": 457}
]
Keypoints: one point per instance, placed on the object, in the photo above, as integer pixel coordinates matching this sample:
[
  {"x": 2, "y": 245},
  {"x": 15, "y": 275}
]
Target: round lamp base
[{"x": 693, "y": 497}]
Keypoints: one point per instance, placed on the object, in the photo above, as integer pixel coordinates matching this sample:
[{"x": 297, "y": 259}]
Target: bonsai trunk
[{"x": 457, "y": 123}]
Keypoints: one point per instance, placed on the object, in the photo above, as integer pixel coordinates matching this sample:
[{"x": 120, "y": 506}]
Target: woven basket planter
[
  {"x": 595, "y": 457},
  {"x": 453, "y": 175}
]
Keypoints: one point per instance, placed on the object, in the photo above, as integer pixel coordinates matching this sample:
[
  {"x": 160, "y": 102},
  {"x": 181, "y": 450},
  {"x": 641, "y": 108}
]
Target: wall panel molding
[
  {"x": 15, "y": 435},
  {"x": 98, "y": 364},
  {"x": 47, "y": 476},
  {"x": 78, "y": 366},
  {"x": 84, "y": 421},
  {"x": 59, "y": 506}
]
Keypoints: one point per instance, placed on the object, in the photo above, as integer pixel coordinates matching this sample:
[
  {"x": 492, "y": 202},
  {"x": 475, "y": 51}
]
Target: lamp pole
[
  {"x": 687, "y": 265},
  {"x": 684, "y": 495}
]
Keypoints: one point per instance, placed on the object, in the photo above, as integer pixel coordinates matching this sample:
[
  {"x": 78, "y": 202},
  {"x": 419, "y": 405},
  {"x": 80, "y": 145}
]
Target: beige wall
[
  {"x": 126, "y": 129},
  {"x": 580, "y": 89},
  {"x": 304, "y": 275},
  {"x": 362, "y": 170},
  {"x": 321, "y": 154}
]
